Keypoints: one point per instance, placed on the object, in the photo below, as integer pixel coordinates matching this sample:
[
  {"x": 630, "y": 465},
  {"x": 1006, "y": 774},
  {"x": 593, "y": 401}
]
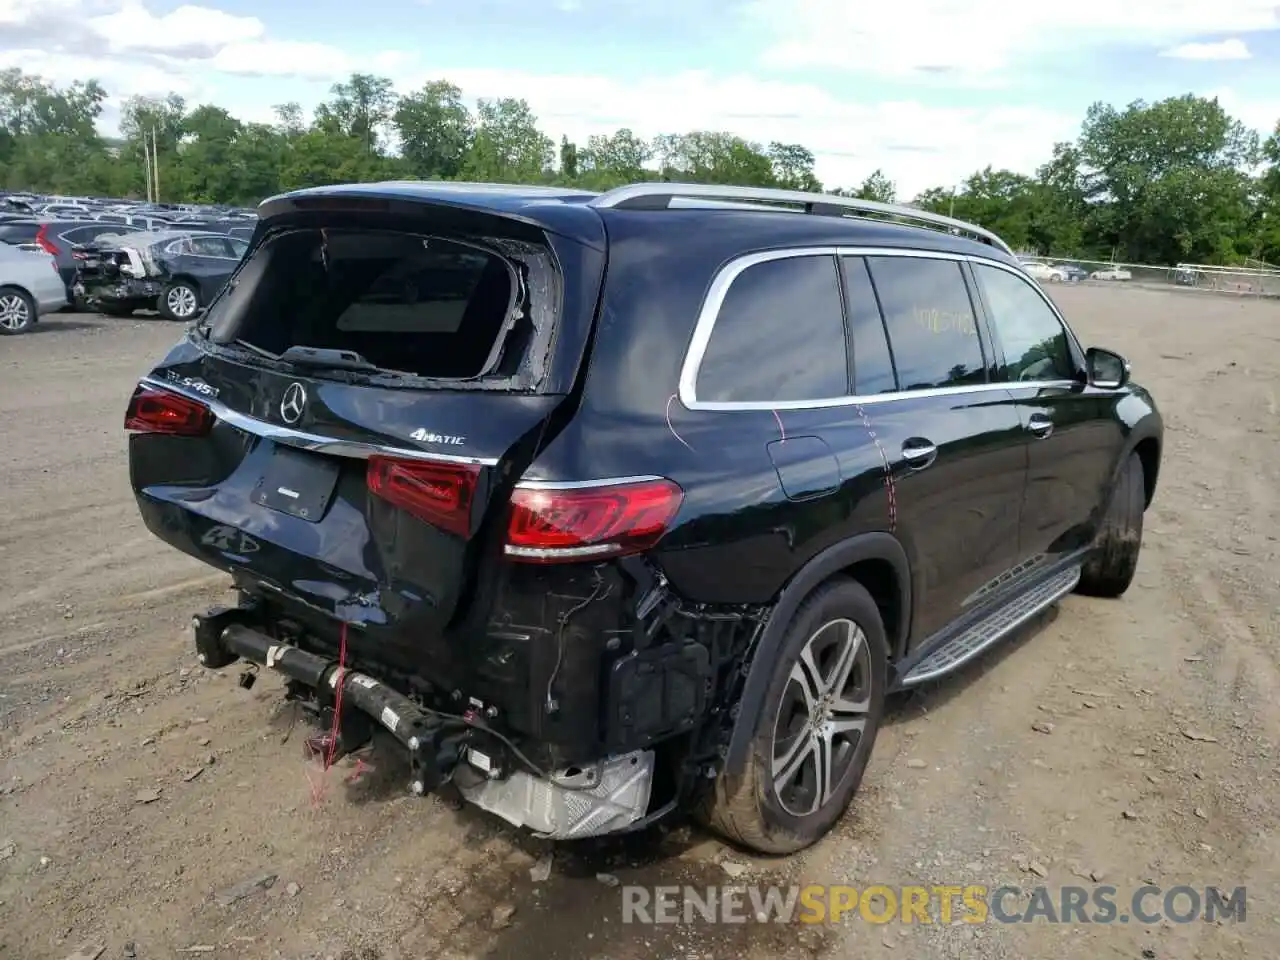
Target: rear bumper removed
[{"x": 458, "y": 751}]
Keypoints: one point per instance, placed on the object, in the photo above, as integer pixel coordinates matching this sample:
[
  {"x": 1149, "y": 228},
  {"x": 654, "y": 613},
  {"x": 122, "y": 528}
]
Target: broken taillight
[
  {"x": 439, "y": 493},
  {"x": 152, "y": 410},
  {"x": 43, "y": 241},
  {"x": 555, "y": 525}
]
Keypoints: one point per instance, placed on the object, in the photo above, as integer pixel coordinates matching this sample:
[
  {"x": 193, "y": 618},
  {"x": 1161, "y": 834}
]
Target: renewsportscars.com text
[{"x": 944, "y": 904}]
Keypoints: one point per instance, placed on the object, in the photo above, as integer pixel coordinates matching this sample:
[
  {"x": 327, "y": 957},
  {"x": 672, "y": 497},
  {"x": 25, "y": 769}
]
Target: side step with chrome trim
[{"x": 997, "y": 625}]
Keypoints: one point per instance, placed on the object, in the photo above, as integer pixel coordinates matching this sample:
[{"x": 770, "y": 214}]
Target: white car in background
[
  {"x": 1111, "y": 273},
  {"x": 29, "y": 286},
  {"x": 1043, "y": 271}
]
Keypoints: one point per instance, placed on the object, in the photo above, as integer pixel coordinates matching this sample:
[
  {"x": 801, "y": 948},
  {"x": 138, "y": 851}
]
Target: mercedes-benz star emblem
[{"x": 293, "y": 403}]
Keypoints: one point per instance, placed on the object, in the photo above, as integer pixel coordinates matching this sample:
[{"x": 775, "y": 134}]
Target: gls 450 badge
[{"x": 427, "y": 436}]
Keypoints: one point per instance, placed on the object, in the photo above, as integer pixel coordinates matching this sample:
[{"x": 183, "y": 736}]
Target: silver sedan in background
[{"x": 30, "y": 285}]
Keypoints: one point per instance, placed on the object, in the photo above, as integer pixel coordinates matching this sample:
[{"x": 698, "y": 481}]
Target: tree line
[{"x": 1178, "y": 180}]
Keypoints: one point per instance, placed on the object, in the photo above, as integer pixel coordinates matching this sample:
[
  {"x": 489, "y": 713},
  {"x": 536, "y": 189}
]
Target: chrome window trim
[
  {"x": 335, "y": 446},
  {"x": 723, "y": 280}
]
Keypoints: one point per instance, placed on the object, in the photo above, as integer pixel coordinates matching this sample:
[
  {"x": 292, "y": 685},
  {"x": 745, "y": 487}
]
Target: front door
[{"x": 1071, "y": 429}]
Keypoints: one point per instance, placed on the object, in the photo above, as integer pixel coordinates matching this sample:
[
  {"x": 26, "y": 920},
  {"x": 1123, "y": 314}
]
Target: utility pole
[
  {"x": 146, "y": 163},
  {"x": 155, "y": 159}
]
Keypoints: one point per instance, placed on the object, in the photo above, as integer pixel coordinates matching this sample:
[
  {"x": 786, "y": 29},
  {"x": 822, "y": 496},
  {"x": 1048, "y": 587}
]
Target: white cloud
[
  {"x": 976, "y": 40},
  {"x": 915, "y": 144},
  {"x": 198, "y": 51},
  {"x": 189, "y": 39},
  {"x": 120, "y": 78},
  {"x": 1233, "y": 49},
  {"x": 186, "y": 30}
]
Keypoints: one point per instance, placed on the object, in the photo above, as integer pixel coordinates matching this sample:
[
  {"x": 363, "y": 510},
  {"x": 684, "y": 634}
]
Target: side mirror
[{"x": 1107, "y": 369}]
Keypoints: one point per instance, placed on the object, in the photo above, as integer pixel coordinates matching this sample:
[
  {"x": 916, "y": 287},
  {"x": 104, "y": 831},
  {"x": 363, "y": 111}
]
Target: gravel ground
[{"x": 148, "y": 807}]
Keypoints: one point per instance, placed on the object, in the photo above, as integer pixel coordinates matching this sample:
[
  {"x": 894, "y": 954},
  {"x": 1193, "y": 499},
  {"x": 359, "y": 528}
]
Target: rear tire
[
  {"x": 17, "y": 311},
  {"x": 180, "y": 301},
  {"x": 822, "y": 712},
  {"x": 1109, "y": 572}
]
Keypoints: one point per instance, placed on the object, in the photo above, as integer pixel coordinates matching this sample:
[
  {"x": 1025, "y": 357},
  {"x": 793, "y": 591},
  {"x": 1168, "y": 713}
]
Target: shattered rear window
[{"x": 427, "y": 306}]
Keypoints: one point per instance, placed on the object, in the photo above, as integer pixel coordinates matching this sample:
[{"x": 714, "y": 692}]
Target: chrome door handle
[
  {"x": 1040, "y": 425},
  {"x": 919, "y": 453}
]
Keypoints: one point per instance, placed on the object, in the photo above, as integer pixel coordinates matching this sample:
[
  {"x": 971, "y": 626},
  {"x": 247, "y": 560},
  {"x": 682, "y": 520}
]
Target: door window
[
  {"x": 779, "y": 335},
  {"x": 872, "y": 363},
  {"x": 933, "y": 331},
  {"x": 210, "y": 247},
  {"x": 1035, "y": 344}
]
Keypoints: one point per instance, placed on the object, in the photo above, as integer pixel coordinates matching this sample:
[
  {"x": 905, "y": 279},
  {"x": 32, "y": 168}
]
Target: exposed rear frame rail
[{"x": 659, "y": 196}]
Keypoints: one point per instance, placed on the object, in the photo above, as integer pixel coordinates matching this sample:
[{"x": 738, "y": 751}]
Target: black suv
[{"x": 612, "y": 506}]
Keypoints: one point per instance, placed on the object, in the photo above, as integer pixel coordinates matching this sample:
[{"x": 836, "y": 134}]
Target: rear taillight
[
  {"x": 439, "y": 493},
  {"x": 152, "y": 410},
  {"x": 555, "y": 525},
  {"x": 43, "y": 241}
]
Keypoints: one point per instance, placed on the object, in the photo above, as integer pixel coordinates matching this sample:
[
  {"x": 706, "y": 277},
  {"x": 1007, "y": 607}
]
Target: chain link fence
[{"x": 1257, "y": 279}]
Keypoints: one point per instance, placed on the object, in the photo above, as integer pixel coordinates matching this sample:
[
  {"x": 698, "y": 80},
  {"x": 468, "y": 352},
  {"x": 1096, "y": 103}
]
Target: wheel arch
[
  {"x": 877, "y": 561},
  {"x": 20, "y": 289}
]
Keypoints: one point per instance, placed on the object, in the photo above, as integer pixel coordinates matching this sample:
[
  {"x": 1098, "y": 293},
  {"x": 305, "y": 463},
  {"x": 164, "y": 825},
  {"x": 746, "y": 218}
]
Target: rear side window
[
  {"x": 872, "y": 363},
  {"x": 426, "y": 306},
  {"x": 19, "y": 232},
  {"x": 930, "y": 319},
  {"x": 779, "y": 335}
]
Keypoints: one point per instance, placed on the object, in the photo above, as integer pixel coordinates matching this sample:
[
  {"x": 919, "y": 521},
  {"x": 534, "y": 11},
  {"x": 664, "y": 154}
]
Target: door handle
[
  {"x": 919, "y": 453},
  {"x": 1040, "y": 425}
]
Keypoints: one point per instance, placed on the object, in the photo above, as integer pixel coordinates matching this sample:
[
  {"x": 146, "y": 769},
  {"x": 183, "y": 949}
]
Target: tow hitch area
[
  {"x": 435, "y": 742},
  {"x": 463, "y": 751}
]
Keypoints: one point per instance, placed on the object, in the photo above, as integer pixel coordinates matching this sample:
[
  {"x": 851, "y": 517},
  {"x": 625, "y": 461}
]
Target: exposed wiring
[
  {"x": 337, "y": 702},
  {"x": 563, "y": 624},
  {"x": 516, "y": 751},
  {"x": 670, "y": 400}
]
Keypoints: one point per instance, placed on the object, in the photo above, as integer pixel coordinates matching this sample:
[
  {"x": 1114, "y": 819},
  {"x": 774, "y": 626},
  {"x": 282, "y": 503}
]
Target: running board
[{"x": 997, "y": 625}]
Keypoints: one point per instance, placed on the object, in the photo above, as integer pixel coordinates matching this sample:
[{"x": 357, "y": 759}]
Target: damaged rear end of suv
[{"x": 351, "y": 433}]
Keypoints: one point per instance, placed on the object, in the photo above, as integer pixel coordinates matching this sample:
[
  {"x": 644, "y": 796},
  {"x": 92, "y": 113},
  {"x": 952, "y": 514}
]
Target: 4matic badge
[{"x": 426, "y": 436}]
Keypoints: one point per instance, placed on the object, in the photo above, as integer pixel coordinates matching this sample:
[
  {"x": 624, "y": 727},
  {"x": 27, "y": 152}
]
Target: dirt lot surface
[{"x": 137, "y": 792}]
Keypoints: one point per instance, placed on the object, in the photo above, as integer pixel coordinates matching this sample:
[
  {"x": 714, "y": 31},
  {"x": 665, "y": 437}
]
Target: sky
[{"x": 926, "y": 90}]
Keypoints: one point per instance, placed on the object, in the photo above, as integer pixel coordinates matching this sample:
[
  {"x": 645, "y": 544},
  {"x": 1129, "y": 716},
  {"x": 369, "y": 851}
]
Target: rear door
[
  {"x": 1070, "y": 428},
  {"x": 365, "y": 484},
  {"x": 951, "y": 438}
]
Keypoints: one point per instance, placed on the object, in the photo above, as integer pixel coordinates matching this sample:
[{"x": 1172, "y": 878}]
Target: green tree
[
  {"x": 793, "y": 166},
  {"x": 435, "y": 129},
  {"x": 358, "y": 108},
  {"x": 508, "y": 146}
]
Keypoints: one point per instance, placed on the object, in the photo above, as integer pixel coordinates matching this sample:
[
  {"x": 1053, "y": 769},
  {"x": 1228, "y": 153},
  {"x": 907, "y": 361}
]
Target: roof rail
[{"x": 659, "y": 196}]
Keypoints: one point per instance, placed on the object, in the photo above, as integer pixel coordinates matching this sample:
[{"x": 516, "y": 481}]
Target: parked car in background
[
  {"x": 174, "y": 272},
  {"x": 64, "y": 240},
  {"x": 1042, "y": 271},
  {"x": 1071, "y": 272},
  {"x": 30, "y": 285},
  {"x": 1111, "y": 273}
]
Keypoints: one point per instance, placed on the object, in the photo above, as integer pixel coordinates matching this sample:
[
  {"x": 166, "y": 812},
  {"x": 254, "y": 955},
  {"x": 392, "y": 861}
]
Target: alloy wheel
[
  {"x": 181, "y": 302},
  {"x": 822, "y": 717},
  {"x": 14, "y": 313}
]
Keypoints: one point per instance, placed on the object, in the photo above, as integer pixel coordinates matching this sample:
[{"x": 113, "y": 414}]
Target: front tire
[
  {"x": 17, "y": 311},
  {"x": 180, "y": 301},
  {"x": 115, "y": 309},
  {"x": 1109, "y": 572},
  {"x": 814, "y": 734}
]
